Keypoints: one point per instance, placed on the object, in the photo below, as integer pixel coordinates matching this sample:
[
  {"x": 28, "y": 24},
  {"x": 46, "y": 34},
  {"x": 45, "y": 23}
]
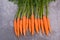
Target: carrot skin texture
[
  {"x": 45, "y": 25},
  {"x": 29, "y": 25},
  {"x": 32, "y": 24},
  {"x": 48, "y": 21},
  {"x": 18, "y": 24},
  {"x": 15, "y": 26},
  {"x": 24, "y": 25},
  {"x": 20, "y": 28},
  {"x": 39, "y": 24},
  {"x": 36, "y": 25},
  {"x": 42, "y": 27}
]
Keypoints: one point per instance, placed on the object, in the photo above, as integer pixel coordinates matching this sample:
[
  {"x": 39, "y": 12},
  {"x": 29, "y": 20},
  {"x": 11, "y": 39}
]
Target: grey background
[{"x": 7, "y": 12}]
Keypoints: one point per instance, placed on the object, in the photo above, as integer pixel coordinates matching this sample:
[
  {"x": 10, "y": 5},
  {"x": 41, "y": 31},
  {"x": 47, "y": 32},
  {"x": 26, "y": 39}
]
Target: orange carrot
[
  {"x": 24, "y": 25},
  {"x": 29, "y": 24},
  {"x": 45, "y": 25},
  {"x": 18, "y": 22},
  {"x": 15, "y": 27},
  {"x": 20, "y": 28},
  {"x": 48, "y": 22},
  {"x": 36, "y": 25},
  {"x": 32, "y": 24},
  {"x": 42, "y": 27},
  {"x": 39, "y": 24}
]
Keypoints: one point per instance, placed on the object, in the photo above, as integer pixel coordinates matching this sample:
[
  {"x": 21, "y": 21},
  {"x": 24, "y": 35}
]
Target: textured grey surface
[{"x": 7, "y": 12}]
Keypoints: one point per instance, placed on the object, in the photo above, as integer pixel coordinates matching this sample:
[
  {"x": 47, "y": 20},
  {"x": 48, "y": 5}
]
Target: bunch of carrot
[{"x": 30, "y": 17}]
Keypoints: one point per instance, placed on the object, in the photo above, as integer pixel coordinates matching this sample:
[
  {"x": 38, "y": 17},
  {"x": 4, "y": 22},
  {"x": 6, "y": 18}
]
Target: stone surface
[{"x": 7, "y": 12}]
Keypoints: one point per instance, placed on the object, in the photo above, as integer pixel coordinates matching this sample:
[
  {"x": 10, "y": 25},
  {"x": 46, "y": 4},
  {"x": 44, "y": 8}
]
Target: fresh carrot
[
  {"x": 15, "y": 27},
  {"x": 24, "y": 25},
  {"x": 36, "y": 25},
  {"x": 18, "y": 24},
  {"x": 45, "y": 25},
  {"x": 48, "y": 22},
  {"x": 42, "y": 27},
  {"x": 32, "y": 23},
  {"x": 29, "y": 24},
  {"x": 20, "y": 28},
  {"x": 39, "y": 24}
]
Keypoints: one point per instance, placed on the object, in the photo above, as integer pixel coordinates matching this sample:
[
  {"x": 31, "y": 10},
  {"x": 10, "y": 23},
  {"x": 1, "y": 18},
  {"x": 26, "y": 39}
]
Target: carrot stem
[{"x": 46, "y": 7}]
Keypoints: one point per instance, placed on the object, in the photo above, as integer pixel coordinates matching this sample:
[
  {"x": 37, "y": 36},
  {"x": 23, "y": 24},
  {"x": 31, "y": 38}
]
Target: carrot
[
  {"x": 18, "y": 19},
  {"x": 20, "y": 26},
  {"x": 36, "y": 25},
  {"x": 45, "y": 25},
  {"x": 29, "y": 24},
  {"x": 48, "y": 22},
  {"x": 15, "y": 27},
  {"x": 42, "y": 27},
  {"x": 32, "y": 24},
  {"x": 39, "y": 24},
  {"x": 24, "y": 25}
]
